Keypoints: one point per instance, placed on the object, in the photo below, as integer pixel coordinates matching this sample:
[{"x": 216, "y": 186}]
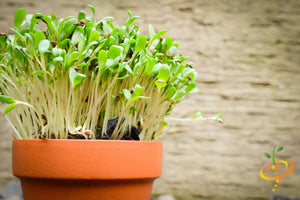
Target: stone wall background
[{"x": 247, "y": 55}]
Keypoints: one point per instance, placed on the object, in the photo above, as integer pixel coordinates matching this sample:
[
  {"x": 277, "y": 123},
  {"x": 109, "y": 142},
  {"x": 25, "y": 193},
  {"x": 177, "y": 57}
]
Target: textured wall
[{"x": 247, "y": 55}]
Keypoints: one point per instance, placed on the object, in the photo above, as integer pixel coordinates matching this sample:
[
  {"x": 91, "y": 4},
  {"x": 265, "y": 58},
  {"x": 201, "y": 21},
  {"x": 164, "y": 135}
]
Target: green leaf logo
[
  {"x": 267, "y": 155},
  {"x": 279, "y": 149}
]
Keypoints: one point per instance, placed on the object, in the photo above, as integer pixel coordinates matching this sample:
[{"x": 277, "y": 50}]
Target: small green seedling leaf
[
  {"x": 72, "y": 58},
  {"x": 114, "y": 52},
  {"x": 131, "y": 20},
  {"x": 129, "y": 13},
  {"x": 59, "y": 59},
  {"x": 75, "y": 77},
  {"x": 102, "y": 58},
  {"x": 94, "y": 36},
  {"x": 19, "y": 17},
  {"x": 6, "y": 99},
  {"x": 44, "y": 46},
  {"x": 8, "y": 108},
  {"x": 81, "y": 15},
  {"x": 160, "y": 83},
  {"x": 3, "y": 41},
  {"x": 77, "y": 35},
  {"x": 267, "y": 155},
  {"x": 279, "y": 149},
  {"x": 168, "y": 43},
  {"x": 128, "y": 68},
  {"x": 151, "y": 31},
  {"x": 190, "y": 88},
  {"x": 132, "y": 109},
  {"x": 164, "y": 73},
  {"x": 140, "y": 43},
  {"x": 93, "y": 10},
  {"x": 198, "y": 115},
  {"x": 127, "y": 94},
  {"x": 133, "y": 99},
  {"x": 217, "y": 118},
  {"x": 138, "y": 90},
  {"x": 158, "y": 35},
  {"x": 171, "y": 92}
]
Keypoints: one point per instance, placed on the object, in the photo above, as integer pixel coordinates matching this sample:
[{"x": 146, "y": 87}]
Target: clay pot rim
[
  {"x": 88, "y": 140},
  {"x": 86, "y": 159}
]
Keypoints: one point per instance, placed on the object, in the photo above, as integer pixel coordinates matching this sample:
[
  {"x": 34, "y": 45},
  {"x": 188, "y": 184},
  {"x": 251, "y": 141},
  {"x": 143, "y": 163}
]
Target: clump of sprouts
[{"x": 78, "y": 75}]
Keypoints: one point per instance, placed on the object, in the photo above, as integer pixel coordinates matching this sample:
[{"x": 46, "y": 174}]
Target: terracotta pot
[{"x": 86, "y": 169}]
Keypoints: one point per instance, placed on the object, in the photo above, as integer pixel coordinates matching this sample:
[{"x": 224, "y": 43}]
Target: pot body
[{"x": 86, "y": 169}]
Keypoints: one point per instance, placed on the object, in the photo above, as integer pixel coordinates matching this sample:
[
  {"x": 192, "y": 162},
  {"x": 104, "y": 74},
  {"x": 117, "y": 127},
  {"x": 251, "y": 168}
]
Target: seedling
[
  {"x": 274, "y": 166},
  {"x": 88, "y": 79}
]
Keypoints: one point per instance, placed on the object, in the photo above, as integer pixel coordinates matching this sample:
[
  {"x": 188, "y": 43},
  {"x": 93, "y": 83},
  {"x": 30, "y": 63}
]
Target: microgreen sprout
[{"x": 83, "y": 78}]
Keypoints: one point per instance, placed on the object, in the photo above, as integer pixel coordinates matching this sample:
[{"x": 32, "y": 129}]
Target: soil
[{"x": 132, "y": 133}]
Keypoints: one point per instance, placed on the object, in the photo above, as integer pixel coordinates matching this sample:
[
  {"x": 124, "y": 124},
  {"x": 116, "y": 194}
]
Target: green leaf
[
  {"x": 3, "y": 41},
  {"x": 217, "y": 117},
  {"x": 53, "y": 17},
  {"x": 140, "y": 43},
  {"x": 8, "y": 108},
  {"x": 129, "y": 13},
  {"x": 93, "y": 10},
  {"x": 34, "y": 20},
  {"x": 77, "y": 35},
  {"x": 81, "y": 15},
  {"x": 72, "y": 58},
  {"x": 180, "y": 95},
  {"x": 168, "y": 43},
  {"x": 6, "y": 99},
  {"x": 94, "y": 36},
  {"x": 102, "y": 58},
  {"x": 133, "y": 99},
  {"x": 267, "y": 155},
  {"x": 40, "y": 72},
  {"x": 19, "y": 17},
  {"x": 131, "y": 20},
  {"x": 44, "y": 46},
  {"x": 164, "y": 124},
  {"x": 51, "y": 67},
  {"x": 198, "y": 115},
  {"x": 279, "y": 149},
  {"x": 151, "y": 31},
  {"x": 49, "y": 24},
  {"x": 132, "y": 109},
  {"x": 157, "y": 36},
  {"x": 75, "y": 77},
  {"x": 128, "y": 68},
  {"x": 115, "y": 52},
  {"x": 190, "y": 87},
  {"x": 38, "y": 37},
  {"x": 160, "y": 83},
  {"x": 59, "y": 59},
  {"x": 127, "y": 94},
  {"x": 138, "y": 90},
  {"x": 164, "y": 72},
  {"x": 155, "y": 68},
  {"x": 171, "y": 92}
]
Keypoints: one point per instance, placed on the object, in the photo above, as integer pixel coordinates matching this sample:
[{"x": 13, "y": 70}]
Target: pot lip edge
[{"x": 84, "y": 141}]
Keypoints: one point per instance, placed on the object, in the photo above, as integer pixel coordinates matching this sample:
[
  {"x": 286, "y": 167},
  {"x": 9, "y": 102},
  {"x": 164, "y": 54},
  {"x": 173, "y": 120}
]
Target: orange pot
[{"x": 86, "y": 169}]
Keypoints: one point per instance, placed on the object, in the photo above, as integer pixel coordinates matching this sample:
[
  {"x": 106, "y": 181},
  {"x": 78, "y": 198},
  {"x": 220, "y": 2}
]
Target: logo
[{"x": 280, "y": 168}]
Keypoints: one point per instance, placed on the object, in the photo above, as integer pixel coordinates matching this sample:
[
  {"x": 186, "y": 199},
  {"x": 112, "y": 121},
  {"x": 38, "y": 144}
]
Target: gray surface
[{"x": 11, "y": 191}]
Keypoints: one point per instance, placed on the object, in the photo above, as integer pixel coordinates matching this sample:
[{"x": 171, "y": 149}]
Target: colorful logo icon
[{"x": 280, "y": 168}]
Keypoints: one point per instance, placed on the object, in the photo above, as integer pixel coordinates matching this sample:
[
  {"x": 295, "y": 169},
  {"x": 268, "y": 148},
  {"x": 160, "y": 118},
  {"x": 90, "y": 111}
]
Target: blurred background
[{"x": 247, "y": 54}]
